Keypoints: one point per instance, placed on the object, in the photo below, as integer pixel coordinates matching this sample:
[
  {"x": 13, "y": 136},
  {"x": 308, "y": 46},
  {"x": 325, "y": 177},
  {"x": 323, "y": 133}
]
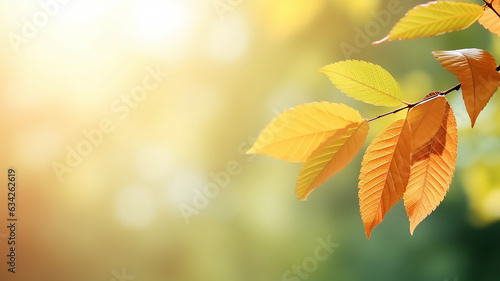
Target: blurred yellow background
[{"x": 117, "y": 115}]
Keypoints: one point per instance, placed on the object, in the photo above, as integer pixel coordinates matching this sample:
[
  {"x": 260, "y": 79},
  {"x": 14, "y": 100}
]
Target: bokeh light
[{"x": 104, "y": 177}]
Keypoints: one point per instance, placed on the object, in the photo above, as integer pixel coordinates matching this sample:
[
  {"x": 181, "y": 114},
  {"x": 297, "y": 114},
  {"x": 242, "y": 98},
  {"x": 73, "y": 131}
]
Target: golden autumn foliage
[
  {"x": 364, "y": 81},
  {"x": 412, "y": 158},
  {"x": 425, "y": 120},
  {"x": 475, "y": 69},
  {"x": 489, "y": 19},
  {"x": 310, "y": 124},
  {"x": 434, "y": 18},
  {"x": 331, "y": 157},
  {"x": 432, "y": 167},
  {"x": 385, "y": 171}
]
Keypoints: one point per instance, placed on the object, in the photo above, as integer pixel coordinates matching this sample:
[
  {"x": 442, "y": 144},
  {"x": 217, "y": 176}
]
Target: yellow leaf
[
  {"x": 490, "y": 19},
  {"x": 364, "y": 81},
  {"x": 425, "y": 120},
  {"x": 431, "y": 171},
  {"x": 297, "y": 132},
  {"x": 475, "y": 69},
  {"x": 434, "y": 18},
  {"x": 384, "y": 173},
  {"x": 331, "y": 157}
]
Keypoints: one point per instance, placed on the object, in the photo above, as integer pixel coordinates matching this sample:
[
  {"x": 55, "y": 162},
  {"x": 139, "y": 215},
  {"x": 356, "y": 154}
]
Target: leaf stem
[
  {"x": 491, "y": 7},
  {"x": 410, "y": 105}
]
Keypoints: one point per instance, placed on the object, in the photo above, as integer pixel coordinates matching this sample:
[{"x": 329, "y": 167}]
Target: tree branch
[
  {"x": 454, "y": 88},
  {"x": 491, "y": 7},
  {"x": 408, "y": 106}
]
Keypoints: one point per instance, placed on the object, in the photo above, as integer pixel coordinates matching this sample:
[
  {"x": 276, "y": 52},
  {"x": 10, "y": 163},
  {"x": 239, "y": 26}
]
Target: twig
[
  {"x": 408, "y": 106},
  {"x": 388, "y": 113},
  {"x": 454, "y": 88},
  {"x": 491, "y": 7}
]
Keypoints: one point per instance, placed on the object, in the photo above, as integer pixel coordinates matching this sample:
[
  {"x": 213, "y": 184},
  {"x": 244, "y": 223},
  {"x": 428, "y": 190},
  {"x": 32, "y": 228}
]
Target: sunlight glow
[
  {"x": 135, "y": 206},
  {"x": 39, "y": 145},
  {"x": 154, "y": 163},
  {"x": 229, "y": 39},
  {"x": 161, "y": 24},
  {"x": 179, "y": 188}
]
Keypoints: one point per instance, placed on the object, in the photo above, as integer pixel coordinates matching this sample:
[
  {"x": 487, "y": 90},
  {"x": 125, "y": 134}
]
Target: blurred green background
[{"x": 70, "y": 68}]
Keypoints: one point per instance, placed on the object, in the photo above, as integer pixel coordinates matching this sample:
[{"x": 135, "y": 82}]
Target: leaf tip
[
  {"x": 252, "y": 150},
  {"x": 376, "y": 43},
  {"x": 472, "y": 122},
  {"x": 368, "y": 228},
  {"x": 413, "y": 226},
  {"x": 302, "y": 193},
  {"x": 323, "y": 69},
  {"x": 302, "y": 197},
  {"x": 368, "y": 233}
]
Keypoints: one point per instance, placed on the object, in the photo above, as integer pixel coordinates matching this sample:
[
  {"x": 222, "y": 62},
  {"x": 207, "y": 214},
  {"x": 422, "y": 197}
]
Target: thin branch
[
  {"x": 454, "y": 88},
  {"x": 389, "y": 113},
  {"x": 408, "y": 106},
  {"x": 491, "y": 7}
]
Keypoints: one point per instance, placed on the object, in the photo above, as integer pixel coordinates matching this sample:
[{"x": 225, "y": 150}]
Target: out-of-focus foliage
[{"x": 119, "y": 208}]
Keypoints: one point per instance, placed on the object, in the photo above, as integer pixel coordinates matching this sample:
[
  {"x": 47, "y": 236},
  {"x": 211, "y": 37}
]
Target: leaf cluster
[{"x": 412, "y": 158}]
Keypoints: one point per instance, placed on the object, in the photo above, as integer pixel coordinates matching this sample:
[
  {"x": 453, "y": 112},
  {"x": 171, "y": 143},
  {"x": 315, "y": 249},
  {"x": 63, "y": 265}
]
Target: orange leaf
[
  {"x": 431, "y": 171},
  {"x": 384, "y": 173},
  {"x": 490, "y": 19},
  {"x": 475, "y": 69},
  {"x": 331, "y": 157},
  {"x": 425, "y": 120}
]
